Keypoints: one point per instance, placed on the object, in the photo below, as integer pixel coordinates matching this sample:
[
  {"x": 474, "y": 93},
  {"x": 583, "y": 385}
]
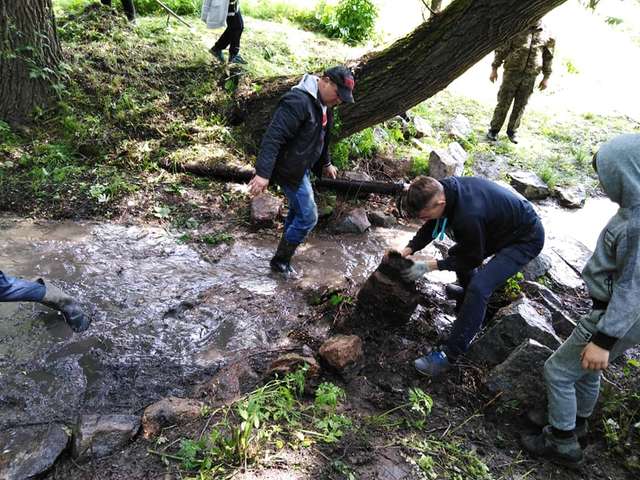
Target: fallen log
[{"x": 242, "y": 174}]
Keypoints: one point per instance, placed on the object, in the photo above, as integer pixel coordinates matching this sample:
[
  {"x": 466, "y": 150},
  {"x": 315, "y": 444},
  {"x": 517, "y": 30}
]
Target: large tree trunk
[
  {"x": 29, "y": 57},
  {"x": 415, "y": 67}
]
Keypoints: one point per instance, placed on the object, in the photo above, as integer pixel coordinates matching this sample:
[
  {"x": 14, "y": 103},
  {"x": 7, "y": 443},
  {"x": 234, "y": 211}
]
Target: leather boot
[
  {"x": 565, "y": 451},
  {"x": 280, "y": 262},
  {"x": 71, "y": 311}
]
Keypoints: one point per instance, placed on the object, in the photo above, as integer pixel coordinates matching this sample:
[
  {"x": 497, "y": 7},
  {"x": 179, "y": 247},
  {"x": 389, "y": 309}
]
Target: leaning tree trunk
[
  {"x": 29, "y": 57},
  {"x": 415, "y": 67}
]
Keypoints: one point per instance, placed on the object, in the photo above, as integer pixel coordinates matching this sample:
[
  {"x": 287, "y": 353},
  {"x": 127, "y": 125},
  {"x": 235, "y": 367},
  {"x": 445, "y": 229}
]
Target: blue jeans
[
  {"x": 571, "y": 390},
  {"x": 303, "y": 213},
  {"x": 17, "y": 290},
  {"x": 480, "y": 283}
]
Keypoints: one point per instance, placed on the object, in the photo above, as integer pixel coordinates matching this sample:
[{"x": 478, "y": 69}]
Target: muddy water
[{"x": 164, "y": 318}]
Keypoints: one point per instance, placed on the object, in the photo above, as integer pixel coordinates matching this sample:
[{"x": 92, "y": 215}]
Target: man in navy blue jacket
[
  {"x": 295, "y": 144},
  {"x": 484, "y": 219}
]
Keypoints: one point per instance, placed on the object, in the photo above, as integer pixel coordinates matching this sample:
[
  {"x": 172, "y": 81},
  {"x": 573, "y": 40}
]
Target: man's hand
[
  {"x": 331, "y": 171},
  {"x": 406, "y": 251},
  {"x": 543, "y": 84},
  {"x": 494, "y": 75},
  {"x": 594, "y": 357},
  {"x": 418, "y": 269},
  {"x": 257, "y": 185}
]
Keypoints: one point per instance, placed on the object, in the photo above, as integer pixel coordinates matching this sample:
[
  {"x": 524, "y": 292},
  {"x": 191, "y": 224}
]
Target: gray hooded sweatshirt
[{"x": 612, "y": 274}]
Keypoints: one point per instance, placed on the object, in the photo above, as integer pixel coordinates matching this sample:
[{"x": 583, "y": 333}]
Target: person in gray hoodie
[
  {"x": 612, "y": 276},
  {"x": 296, "y": 144}
]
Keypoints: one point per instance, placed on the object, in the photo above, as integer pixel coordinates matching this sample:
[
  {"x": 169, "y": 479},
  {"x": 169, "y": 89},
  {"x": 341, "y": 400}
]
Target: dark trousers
[
  {"x": 127, "y": 5},
  {"x": 231, "y": 35},
  {"x": 480, "y": 283}
]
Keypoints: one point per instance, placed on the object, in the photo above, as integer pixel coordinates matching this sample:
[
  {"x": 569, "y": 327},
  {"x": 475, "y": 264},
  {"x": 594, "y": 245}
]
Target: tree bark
[
  {"x": 414, "y": 68},
  {"x": 29, "y": 57}
]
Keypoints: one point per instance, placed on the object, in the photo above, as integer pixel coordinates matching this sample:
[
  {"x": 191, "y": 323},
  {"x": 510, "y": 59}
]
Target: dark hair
[{"x": 422, "y": 192}]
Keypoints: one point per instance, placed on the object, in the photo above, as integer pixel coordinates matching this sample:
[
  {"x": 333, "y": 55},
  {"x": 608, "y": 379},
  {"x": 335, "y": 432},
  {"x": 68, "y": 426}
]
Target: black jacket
[
  {"x": 295, "y": 140},
  {"x": 482, "y": 218}
]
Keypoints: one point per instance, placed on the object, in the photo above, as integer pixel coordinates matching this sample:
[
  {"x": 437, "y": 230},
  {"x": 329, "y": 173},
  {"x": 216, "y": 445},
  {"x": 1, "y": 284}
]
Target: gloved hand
[{"x": 418, "y": 269}]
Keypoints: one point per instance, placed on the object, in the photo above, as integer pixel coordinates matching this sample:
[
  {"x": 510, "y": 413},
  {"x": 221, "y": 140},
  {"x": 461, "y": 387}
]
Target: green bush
[
  {"x": 181, "y": 7},
  {"x": 420, "y": 165},
  {"x": 353, "y": 21}
]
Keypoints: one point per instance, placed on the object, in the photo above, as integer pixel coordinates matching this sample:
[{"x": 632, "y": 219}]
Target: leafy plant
[
  {"x": 353, "y": 21},
  {"x": 512, "y": 287}
]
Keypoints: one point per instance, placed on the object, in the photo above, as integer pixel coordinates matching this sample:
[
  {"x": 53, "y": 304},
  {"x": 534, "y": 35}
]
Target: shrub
[{"x": 353, "y": 21}]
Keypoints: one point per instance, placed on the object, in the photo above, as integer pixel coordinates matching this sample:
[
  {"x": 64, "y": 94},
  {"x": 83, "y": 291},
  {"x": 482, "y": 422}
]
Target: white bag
[{"x": 214, "y": 13}]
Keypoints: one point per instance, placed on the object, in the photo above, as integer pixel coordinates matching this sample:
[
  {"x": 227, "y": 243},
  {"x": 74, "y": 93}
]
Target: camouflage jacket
[{"x": 527, "y": 52}]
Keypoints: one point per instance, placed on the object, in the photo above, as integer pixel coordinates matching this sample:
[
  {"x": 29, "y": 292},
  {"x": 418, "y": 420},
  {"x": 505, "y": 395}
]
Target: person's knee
[
  {"x": 310, "y": 217},
  {"x": 478, "y": 289}
]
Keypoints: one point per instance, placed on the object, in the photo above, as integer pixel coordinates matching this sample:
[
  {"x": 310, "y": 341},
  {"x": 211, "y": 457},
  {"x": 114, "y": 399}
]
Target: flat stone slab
[{"x": 26, "y": 452}]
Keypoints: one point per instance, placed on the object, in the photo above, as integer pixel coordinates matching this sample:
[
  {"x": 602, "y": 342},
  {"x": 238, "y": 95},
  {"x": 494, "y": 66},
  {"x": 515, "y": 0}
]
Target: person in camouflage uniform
[{"x": 524, "y": 57}]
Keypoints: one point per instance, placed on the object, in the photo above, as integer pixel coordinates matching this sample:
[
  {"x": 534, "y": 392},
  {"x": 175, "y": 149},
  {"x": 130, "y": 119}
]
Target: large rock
[
  {"x": 571, "y": 197},
  {"x": 442, "y": 164},
  {"x": 515, "y": 323},
  {"x": 342, "y": 351},
  {"x": 573, "y": 252},
  {"x": 229, "y": 383},
  {"x": 355, "y": 221},
  {"x": 520, "y": 377},
  {"x": 385, "y": 298},
  {"x": 529, "y": 185},
  {"x": 537, "y": 267},
  {"x": 562, "y": 322},
  {"x": 265, "y": 209},
  {"x": 459, "y": 127},
  {"x": 561, "y": 274},
  {"x": 27, "y": 452},
  {"x": 97, "y": 436},
  {"x": 381, "y": 219},
  {"x": 169, "y": 411},
  {"x": 458, "y": 153},
  {"x": 422, "y": 127},
  {"x": 489, "y": 165}
]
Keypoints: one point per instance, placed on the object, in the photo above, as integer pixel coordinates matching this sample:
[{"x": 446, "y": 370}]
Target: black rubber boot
[
  {"x": 67, "y": 306},
  {"x": 564, "y": 451},
  {"x": 281, "y": 261},
  {"x": 538, "y": 417},
  {"x": 512, "y": 136},
  {"x": 492, "y": 135}
]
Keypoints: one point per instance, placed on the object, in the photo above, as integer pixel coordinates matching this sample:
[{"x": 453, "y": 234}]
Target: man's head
[
  {"x": 336, "y": 86},
  {"x": 425, "y": 199}
]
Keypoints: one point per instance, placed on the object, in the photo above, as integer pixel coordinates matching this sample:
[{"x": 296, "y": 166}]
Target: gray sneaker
[
  {"x": 237, "y": 59},
  {"x": 564, "y": 451}
]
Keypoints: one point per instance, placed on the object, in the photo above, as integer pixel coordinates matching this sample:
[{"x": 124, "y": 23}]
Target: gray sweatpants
[{"x": 572, "y": 390}]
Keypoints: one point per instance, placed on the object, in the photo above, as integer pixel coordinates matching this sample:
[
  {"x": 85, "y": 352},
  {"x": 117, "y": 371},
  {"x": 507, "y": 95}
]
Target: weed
[
  {"x": 213, "y": 239},
  {"x": 448, "y": 459},
  {"x": 268, "y": 417},
  {"x": 571, "y": 68},
  {"x": 419, "y": 165},
  {"x": 416, "y": 409},
  {"x": 513, "y": 287},
  {"x": 621, "y": 417}
]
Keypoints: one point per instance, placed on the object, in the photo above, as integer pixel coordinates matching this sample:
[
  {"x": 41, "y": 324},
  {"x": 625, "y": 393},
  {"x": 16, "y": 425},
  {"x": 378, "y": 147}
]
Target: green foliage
[
  {"x": 353, "y": 21},
  {"x": 571, "y": 68},
  {"x": 448, "y": 459},
  {"x": 414, "y": 412},
  {"x": 213, "y": 239},
  {"x": 547, "y": 172},
  {"x": 266, "y": 419},
  {"x": 621, "y": 417},
  {"x": 614, "y": 20},
  {"x": 512, "y": 287},
  {"x": 276, "y": 11},
  {"x": 181, "y": 7},
  {"x": 419, "y": 165},
  {"x": 360, "y": 145}
]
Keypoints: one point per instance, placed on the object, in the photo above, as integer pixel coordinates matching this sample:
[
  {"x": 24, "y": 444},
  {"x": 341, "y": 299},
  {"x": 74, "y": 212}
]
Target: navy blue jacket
[
  {"x": 482, "y": 218},
  {"x": 295, "y": 140}
]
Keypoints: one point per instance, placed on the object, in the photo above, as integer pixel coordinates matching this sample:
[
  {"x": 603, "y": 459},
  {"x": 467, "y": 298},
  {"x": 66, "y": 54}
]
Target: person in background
[
  {"x": 231, "y": 36},
  {"x": 127, "y": 5}
]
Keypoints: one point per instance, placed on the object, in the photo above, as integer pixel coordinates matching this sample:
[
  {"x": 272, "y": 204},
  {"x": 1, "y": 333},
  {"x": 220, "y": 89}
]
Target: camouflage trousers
[{"x": 517, "y": 88}]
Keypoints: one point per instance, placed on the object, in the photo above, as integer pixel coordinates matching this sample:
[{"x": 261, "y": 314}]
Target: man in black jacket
[
  {"x": 484, "y": 219},
  {"x": 295, "y": 144}
]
